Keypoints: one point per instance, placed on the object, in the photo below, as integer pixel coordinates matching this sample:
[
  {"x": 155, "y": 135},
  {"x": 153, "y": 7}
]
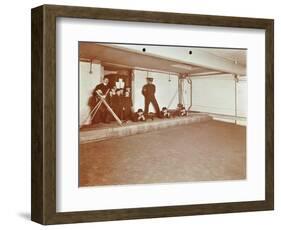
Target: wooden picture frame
[{"x": 43, "y": 188}]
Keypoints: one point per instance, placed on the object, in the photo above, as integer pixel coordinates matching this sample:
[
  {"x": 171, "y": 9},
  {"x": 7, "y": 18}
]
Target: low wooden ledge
[{"x": 98, "y": 134}]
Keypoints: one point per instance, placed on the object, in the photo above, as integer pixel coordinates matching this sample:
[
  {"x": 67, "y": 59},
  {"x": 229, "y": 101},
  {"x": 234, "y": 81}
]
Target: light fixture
[{"x": 91, "y": 66}]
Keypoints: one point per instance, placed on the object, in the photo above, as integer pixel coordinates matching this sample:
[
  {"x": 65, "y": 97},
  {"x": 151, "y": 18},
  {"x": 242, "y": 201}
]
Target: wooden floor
[{"x": 207, "y": 151}]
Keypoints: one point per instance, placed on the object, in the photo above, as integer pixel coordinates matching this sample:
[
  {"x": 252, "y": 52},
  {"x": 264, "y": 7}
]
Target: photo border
[{"x": 43, "y": 124}]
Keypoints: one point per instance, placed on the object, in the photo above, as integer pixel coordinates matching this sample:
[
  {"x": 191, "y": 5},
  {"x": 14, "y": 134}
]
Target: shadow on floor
[{"x": 25, "y": 215}]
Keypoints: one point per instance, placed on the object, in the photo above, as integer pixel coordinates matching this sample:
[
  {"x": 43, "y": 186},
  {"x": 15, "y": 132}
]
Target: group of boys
[
  {"x": 119, "y": 100},
  {"x": 180, "y": 111}
]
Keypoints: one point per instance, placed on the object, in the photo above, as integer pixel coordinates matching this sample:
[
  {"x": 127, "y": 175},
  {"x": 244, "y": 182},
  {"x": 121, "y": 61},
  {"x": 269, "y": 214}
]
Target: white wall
[
  {"x": 15, "y": 115},
  {"x": 242, "y": 98},
  {"x": 165, "y": 89},
  {"x": 216, "y": 94},
  {"x": 87, "y": 83}
]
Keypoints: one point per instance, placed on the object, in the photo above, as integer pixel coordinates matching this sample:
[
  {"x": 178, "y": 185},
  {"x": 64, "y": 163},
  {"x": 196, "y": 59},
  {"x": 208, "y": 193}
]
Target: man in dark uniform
[
  {"x": 148, "y": 91},
  {"x": 101, "y": 114}
]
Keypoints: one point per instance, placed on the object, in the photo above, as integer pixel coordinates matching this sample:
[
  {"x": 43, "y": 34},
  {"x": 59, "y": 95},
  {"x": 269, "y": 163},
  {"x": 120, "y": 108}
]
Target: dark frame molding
[{"x": 43, "y": 125}]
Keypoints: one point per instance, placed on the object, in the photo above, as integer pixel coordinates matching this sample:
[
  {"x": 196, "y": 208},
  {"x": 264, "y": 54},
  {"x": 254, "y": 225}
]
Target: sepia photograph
[{"x": 161, "y": 114}]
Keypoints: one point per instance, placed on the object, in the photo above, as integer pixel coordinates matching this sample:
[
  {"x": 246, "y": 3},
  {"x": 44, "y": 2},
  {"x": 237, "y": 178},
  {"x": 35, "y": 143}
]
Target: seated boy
[
  {"x": 139, "y": 116},
  {"x": 181, "y": 111},
  {"x": 165, "y": 113}
]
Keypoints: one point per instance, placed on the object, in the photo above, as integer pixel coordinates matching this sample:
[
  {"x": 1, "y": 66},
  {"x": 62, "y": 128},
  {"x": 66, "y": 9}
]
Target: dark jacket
[
  {"x": 148, "y": 90},
  {"x": 117, "y": 105},
  {"x": 127, "y": 102},
  {"x": 102, "y": 87}
]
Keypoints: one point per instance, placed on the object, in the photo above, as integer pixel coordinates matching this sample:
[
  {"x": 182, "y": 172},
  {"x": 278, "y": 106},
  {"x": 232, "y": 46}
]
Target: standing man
[{"x": 148, "y": 91}]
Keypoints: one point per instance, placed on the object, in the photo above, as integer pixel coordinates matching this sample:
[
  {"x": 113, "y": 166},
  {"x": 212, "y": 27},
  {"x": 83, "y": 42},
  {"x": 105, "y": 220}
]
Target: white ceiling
[
  {"x": 115, "y": 57},
  {"x": 239, "y": 55},
  {"x": 164, "y": 58}
]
